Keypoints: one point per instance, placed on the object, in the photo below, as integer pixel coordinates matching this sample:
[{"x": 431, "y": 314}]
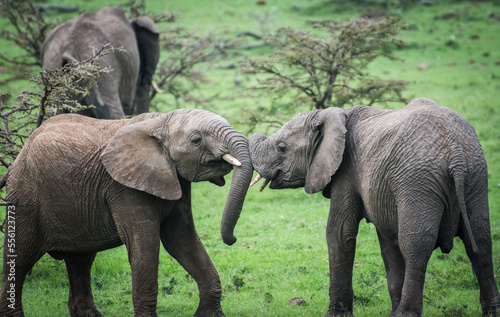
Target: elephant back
[{"x": 70, "y": 143}]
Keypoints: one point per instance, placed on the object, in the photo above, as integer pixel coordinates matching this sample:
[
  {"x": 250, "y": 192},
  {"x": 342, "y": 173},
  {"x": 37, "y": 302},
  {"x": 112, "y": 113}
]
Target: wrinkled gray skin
[
  {"x": 418, "y": 174},
  {"x": 126, "y": 89},
  {"x": 82, "y": 185}
]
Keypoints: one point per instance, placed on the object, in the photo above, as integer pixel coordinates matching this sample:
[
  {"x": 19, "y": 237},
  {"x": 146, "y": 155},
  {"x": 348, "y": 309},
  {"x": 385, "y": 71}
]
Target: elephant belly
[
  {"x": 385, "y": 222},
  {"x": 75, "y": 217},
  {"x": 83, "y": 230},
  {"x": 381, "y": 210}
]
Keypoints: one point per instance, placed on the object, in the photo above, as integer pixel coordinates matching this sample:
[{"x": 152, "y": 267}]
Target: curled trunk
[{"x": 242, "y": 175}]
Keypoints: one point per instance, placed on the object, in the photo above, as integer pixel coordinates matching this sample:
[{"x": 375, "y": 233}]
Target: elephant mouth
[
  {"x": 218, "y": 164},
  {"x": 273, "y": 181},
  {"x": 278, "y": 181},
  {"x": 212, "y": 171},
  {"x": 222, "y": 165},
  {"x": 219, "y": 168},
  {"x": 274, "y": 184}
]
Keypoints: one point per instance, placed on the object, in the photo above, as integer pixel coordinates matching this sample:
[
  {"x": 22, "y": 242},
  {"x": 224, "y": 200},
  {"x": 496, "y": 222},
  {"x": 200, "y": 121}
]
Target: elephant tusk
[
  {"x": 265, "y": 184},
  {"x": 230, "y": 159},
  {"x": 156, "y": 88},
  {"x": 256, "y": 180}
]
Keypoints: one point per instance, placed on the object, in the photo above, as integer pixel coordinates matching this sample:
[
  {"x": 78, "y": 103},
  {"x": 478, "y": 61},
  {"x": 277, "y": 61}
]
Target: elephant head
[
  {"x": 154, "y": 151},
  {"x": 305, "y": 152}
]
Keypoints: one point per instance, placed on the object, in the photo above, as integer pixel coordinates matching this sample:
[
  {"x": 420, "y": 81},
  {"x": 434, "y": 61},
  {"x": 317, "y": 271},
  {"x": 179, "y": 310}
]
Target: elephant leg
[
  {"x": 21, "y": 251},
  {"x": 418, "y": 227},
  {"x": 180, "y": 239},
  {"x": 143, "y": 246},
  {"x": 80, "y": 302},
  {"x": 395, "y": 269},
  {"x": 483, "y": 268},
  {"x": 341, "y": 232},
  {"x": 482, "y": 262}
]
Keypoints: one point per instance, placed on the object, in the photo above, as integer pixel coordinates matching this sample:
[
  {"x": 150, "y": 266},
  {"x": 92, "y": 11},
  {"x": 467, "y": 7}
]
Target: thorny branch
[{"x": 27, "y": 32}]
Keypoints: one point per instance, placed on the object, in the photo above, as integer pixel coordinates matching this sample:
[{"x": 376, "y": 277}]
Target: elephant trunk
[
  {"x": 258, "y": 153},
  {"x": 242, "y": 175}
]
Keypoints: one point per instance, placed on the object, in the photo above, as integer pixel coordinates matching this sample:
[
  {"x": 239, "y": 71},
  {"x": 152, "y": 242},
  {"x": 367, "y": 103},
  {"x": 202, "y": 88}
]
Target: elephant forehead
[
  {"x": 299, "y": 125},
  {"x": 189, "y": 119}
]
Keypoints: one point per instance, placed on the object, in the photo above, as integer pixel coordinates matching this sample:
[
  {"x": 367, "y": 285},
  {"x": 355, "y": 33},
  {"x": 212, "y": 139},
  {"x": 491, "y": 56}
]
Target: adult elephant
[
  {"x": 126, "y": 89},
  {"x": 82, "y": 185},
  {"x": 418, "y": 174}
]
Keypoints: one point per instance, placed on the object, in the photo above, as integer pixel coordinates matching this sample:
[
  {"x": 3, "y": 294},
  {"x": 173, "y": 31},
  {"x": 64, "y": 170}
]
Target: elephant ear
[
  {"x": 137, "y": 157},
  {"x": 328, "y": 151},
  {"x": 148, "y": 44}
]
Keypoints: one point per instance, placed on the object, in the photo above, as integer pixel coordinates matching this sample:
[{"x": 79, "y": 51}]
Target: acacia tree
[
  {"x": 177, "y": 75},
  {"x": 329, "y": 71}
]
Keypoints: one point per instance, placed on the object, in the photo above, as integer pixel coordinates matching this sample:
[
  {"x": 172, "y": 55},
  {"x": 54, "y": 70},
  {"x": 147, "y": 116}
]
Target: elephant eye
[
  {"x": 196, "y": 139},
  {"x": 282, "y": 147}
]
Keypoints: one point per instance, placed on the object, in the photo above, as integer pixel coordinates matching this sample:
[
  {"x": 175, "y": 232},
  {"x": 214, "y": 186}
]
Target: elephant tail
[{"x": 459, "y": 179}]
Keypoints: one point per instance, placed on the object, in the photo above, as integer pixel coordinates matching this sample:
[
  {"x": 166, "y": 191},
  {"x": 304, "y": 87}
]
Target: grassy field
[{"x": 281, "y": 250}]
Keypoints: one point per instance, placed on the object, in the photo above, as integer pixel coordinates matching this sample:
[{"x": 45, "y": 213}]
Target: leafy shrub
[{"x": 327, "y": 71}]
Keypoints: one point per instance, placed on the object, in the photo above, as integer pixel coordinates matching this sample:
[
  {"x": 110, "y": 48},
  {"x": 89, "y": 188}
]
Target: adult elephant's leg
[
  {"x": 81, "y": 301},
  {"x": 180, "y": 239},
  {"x": 23, "y": 247},
  {"x": 418, "y": 226},
  {"x": 341, "y": 232},
  {"x": 395, "y": 269}
]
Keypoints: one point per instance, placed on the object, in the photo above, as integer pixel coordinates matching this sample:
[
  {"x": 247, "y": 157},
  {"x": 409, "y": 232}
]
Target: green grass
[{"x": 281, "y": 250}]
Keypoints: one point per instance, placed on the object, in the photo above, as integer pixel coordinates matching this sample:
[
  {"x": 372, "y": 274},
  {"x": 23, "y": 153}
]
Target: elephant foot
[
  {"x": 406, "y": 313},
  {"x": 339, "y": 313},
  {"x": 209, "y": 313}
]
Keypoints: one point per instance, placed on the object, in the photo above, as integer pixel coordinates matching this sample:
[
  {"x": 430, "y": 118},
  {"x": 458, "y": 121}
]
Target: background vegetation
[{"x": 451, "y": 56}]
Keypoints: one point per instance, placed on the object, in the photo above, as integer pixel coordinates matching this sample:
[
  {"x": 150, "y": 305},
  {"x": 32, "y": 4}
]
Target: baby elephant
[
  {"x": 82, "y": 185},
  {"x": 418, "y": 174}
]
